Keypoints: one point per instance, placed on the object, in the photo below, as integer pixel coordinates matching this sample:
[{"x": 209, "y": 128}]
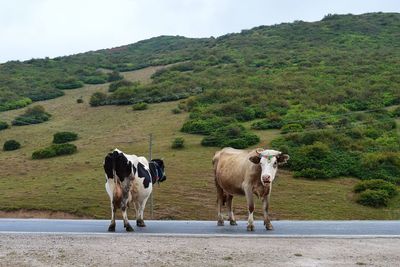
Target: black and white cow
[{"x": 130, "y": 179}]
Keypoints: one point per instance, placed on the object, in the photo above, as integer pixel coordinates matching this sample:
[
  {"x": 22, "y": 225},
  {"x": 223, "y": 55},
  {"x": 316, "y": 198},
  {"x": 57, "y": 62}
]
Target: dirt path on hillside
[{"x": 135, "y": 250}]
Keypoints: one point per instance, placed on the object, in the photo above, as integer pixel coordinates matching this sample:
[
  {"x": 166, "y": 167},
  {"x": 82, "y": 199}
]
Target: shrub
[
  {"x": 380, "y": 165},
  {"x": 64, "y": 149},
  {"x": 98, "y": 99},
  {"x": 54, "y": 150},
  {"x": 95, "y": 80},
  {"x": 178, "y": 143},
  {"x": 33, "y": 115},
  {"x": 79, "y": 101},
  {"x": 373, "y": 198},
  {"x": 69, "y": 83},
  {"x": 204, "y": 125},
  {"x": 114, "y": 76},
  {"x": 3, "y": 125},
  {"x": 121, "y": 83},
  {"x": 234, "y": 135},
  {"x": 14, "y": 104},
  {"x": 64, "y": 137},
  {"x": 11, "y": 145},
  {"x": 140, "y": 106},
  {"x": 44, "y": 153},
  {"x": 312, "y": 173},
  {"x": 376, "y": 184},
  {"x": 292, "y": 127},
  {"x": 176, "y": 110}
]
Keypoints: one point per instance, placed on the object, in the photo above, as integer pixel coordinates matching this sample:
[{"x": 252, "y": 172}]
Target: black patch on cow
[
  {"x": 143, "y": 173},
  {"x": 157, "y": 170},
  {"x": 108, "y": 165},
  {"x": 118, "y": 162}
]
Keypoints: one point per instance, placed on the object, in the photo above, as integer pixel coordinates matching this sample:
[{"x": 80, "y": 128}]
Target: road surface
[{"x": 209, "y": 228}]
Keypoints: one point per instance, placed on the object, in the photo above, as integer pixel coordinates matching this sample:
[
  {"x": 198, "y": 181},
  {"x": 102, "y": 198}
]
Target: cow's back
[{"x": 231, "y": 167}]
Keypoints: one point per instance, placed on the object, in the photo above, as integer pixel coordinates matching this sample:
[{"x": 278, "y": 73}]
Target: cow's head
[
  {"x": 269, "y": 160},
  {"x": 157, "y": 170}
]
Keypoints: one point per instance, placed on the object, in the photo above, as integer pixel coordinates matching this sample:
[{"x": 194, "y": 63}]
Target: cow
[
  {"x": 241, "y": 172},
  {"x": 130, "y": 179}
]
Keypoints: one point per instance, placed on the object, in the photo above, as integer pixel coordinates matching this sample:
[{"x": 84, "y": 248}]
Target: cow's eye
[{"x": 275, "y": 164}]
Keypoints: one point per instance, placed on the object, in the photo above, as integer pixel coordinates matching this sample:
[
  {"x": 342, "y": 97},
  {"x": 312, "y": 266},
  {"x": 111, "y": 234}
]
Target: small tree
[
  {"x": 11, "y": 145},
  {"x": 178, "y": 143}
]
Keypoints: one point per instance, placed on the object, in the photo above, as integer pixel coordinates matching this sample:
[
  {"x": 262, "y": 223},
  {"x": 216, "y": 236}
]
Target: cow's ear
[
  {"x": 255, "y": 159},
  {"x": 282, "y": 158}
]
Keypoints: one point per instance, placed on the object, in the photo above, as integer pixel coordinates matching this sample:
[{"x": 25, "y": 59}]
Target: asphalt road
[{"x": 208, "y": 228}]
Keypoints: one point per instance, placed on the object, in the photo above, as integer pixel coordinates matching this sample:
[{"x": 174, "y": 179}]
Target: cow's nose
[{"x": 266, "y": 178}]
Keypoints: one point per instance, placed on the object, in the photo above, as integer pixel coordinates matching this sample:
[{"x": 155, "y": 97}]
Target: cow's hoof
[
  {"x": 129, "y": 228},
  {"x": 232, "y": 222},
  {"x": 140, "y": 223},
  {"x": 220, "y": 223},
  {"x": 268, "y": 226},
  {"x": 111, "y": 228},
  {"x": 250, "y": 227}
]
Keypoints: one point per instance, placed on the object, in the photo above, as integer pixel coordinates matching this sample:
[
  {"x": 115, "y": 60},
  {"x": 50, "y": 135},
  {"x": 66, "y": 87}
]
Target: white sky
[{"x": 40, "y": 28}]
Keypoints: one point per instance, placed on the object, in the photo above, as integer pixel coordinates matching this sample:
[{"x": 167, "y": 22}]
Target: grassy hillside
[
  {"x": 325, "y": 92},
  {"x": 75, "y": 184}
]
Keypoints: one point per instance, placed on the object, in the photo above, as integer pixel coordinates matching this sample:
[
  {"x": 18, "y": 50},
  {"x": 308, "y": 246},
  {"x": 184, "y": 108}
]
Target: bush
[
  {"x": 11, "y": 145},
  {"x": 64, "y": 137},
  {"x": 69, "y": 83},
  {"x": 204, "y": 125},
  {"x": 114, "y": 76},
  {"x": 98, "y": 99},
  {"x": 44, "y": 153},
  {"x": 33, "y": 115},
  {"x": 140, "y": 106},
  {"x": 3, "y": 125},
  {"x": 376, "y": 184},
  {"x": 292, "y": 127},
  {"x": 20, "y": 103},
  {"x": 396, "y": 112},
  {"x": 178, "y": 143},
  {"x": 234, "y": 135},
  {"x": 176, "y": 110},
  {"x": 54, "y": 150},
  {"x": 95, "y": 80},
  {"x": 380, "y": 165},
  {"x": 79, "y": 101},
  {"x": 373, "y": 198},
  {"x": 121, "y": 83}
]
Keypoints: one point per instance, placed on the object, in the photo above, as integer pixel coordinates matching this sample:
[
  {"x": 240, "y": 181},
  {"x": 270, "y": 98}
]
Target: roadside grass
[{"x": 75, "y": 183}]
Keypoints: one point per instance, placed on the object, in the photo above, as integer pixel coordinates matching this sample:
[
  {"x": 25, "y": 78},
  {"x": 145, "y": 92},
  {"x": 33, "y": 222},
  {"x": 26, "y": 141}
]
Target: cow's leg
[
  {"x": 139, "y": 219},
  {"x": 229, "y": 200},
  {"x": 110, "y": 191},
  {"x": 265, "y": 201},
  {"x": 111, "y": 228},
  {"x": 124, "y": 208},
  {"x": 220, "y": 203},
  {"x": 250, "y": 204},
  {"x": 125, "y": 203}
]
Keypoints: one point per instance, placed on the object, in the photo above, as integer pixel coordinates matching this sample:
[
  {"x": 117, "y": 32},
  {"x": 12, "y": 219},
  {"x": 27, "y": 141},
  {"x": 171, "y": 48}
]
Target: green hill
[{"x": 325, "y": 92}]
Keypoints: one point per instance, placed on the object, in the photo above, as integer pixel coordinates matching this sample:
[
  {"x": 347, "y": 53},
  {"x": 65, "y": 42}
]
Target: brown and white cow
[
  {"x": 130, "y": 178},
  {"x": 241, "y": 172}
]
